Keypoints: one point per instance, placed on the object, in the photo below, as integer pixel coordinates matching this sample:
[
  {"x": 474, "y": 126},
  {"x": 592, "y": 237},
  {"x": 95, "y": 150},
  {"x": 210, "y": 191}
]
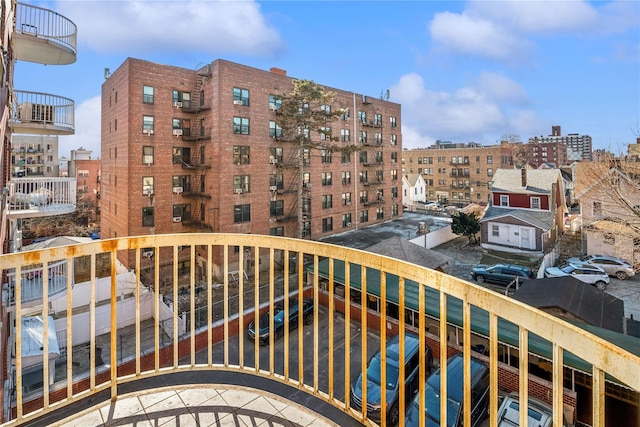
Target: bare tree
[
  {"x": 609, "y": 194},
  {"x": 305, "y": 115}
]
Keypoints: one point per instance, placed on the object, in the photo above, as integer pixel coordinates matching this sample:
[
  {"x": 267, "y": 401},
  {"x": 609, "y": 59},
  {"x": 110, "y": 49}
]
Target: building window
[
  {"x": 241, "y": 125},
  {"x": 597, "y": 209},
  {"x": 275, "y": 131},
  {"x": 241, "y": 184},
  {"x": 325, "y": 134},
  {"x": 147, "y": 94},
  {"x": 183, "y": 99},
  {"x": 274, "y": 102},
  {"x": 276, "y": 180},
  {"x": 392, "y": 122},
  {"x": 394, "y": 139},
  {"x": 363, "y": 157},
  {"x": 306, "y": 156},
  {"x": 327, "y": 224},
  {"x": 489, "y": 172},
  {"x": 344, "y": 115},
  {"x": 326, "y": 156},
  {"x": 306, "y": 229},
  {"x": 240, "y": 96},
  {"x": 346, "y": 178},
  {"x": 241, "y": 155},
  {"x": 394, "y": 174},
  {"x": 363, "y": 137},
  {"x": 182, "y": 182},
  {"x": 276, "y": 208},
  {"x": 182, "y": 211},
  {"x": 394, "y": 192},
  {"x": 394, "y": 157},
  {"x": 147, "y": 124},
  {"x": 241, "y": 213},
  {"x": 276, "y": 153},
  {"x": 346, "y": 220},
  {"x": 327, "y": 201},
  {"x": 276, "y": 231},
  {"x": 380, "y": 213},
  {"x": 346, "y": 157},
  {"x": 377, "y": 119},
  {"x": 364, "y": 177},
  {"x": 535, "y": 203},
  {"x": 489, "y": 160},
  {"x": 362, "y": 116},
  {"x": 495, "y": 230},
  {"x": 345, "y": 135},
  {"x": 326, "y": 178},
  {"x": 364, "y": 216},
  {"x": 346, "y": 199},
  {"x": 378, "y": 138},
  {"x": 364, "y": 196},
  {"x": 147, "y": 185},
  {"x": 147, "y": 217},
  {"x": 181, "y": 155},
  {"x": 504, "y": 200}
]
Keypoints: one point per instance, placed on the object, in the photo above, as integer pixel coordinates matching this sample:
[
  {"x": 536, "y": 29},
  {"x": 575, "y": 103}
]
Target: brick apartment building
[
  {"x": 458, "y": 174},
  {"x": 187, "y": 151},
  {"x": 578, "y": 146},
  {"x": 538, "y": 153}
]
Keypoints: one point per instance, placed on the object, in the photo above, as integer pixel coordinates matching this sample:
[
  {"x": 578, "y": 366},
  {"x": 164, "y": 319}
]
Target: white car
[
  {"x": 584, "y": 272},
  {"x": 540, "y": 413},
  {"x": 611, "y": 265}
]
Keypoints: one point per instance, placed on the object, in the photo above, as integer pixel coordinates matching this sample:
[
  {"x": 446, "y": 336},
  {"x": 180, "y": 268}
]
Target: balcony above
[
  {"x": 44, "y": 36},
  {"x": 37, "y": 197},
  {"x": 36, "y": 113}
]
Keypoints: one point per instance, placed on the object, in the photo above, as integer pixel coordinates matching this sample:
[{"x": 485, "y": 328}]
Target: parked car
[
  {"x": 279, "y": 317},
  {"x": 611, "y": 265},
  {"x": 455, "y": 395},
  {"x": 540, "y": 413},
  {"x": 411, "y": 383},
  {"x": 501, "y": 274},
  {"x": 584, "y": 272}
]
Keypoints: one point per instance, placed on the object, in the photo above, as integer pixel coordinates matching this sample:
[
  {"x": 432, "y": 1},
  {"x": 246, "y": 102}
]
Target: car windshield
[
  {"x": 432, "y": 406},
  {"x": 567, "y": 268},
  {"x": 374, "y": 373}
]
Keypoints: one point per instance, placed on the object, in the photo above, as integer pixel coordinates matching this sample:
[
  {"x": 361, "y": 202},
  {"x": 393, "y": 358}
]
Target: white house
[{"x": 413, "y": 189}]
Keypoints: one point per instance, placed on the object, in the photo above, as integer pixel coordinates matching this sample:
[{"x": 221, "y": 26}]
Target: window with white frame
[
  {"x": 504, "y": 200},
  {"x": 535, "y": 203},
  {"x": 495, "y": 230}
]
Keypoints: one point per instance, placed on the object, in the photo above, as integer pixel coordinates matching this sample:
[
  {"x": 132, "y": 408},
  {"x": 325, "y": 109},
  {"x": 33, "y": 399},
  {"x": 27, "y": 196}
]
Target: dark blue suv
[
  {"x": 501, "y": 274},
  {"x": 279, "y": 319},
  {"x": 411, "y": 383}
]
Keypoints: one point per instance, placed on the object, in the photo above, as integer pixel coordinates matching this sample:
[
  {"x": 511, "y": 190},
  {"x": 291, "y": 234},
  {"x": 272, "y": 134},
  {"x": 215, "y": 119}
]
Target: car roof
[
  {"x": 411, "y": 345},
  {"x": 455, "y": 375},
  {"x": 512, "y": 266}
]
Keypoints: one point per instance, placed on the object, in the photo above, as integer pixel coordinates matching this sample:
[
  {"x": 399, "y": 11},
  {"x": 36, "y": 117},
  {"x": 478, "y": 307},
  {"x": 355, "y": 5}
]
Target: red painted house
[{"x": 526, "y": 210}]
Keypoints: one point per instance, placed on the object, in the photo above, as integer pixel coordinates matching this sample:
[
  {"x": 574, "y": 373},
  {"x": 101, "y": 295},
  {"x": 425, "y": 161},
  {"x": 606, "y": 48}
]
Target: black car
[
  {"x": 501, "y": 274},
  {"x": 373, "y": 378},
  {"x": 455, "y": 395},
  {"x": 279, "y": 319}
]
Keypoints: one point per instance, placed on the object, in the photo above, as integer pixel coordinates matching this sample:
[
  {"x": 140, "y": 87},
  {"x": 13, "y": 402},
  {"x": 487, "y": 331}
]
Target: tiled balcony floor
[{"x": 198, "y": 405}]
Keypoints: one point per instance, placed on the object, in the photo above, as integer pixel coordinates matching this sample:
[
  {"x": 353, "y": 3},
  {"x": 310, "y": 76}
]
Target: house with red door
[{"x": 526, "y": 211}]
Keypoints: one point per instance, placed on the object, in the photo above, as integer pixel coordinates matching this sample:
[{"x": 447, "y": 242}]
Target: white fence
[{"x": 435, "y": 238}]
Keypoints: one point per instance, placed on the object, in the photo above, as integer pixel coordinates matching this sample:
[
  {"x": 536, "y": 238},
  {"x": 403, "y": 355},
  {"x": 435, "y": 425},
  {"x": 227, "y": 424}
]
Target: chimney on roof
[
  {"x": 280, "y": 71},
  {"x": 555, "y": 131},
  {"x": 523, "y": 174}
]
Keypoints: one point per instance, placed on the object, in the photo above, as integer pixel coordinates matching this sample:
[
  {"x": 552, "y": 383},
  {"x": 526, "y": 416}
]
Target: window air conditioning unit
[
  {"x": 147, "y": 131},
  {"x": 273, "y": 188},
  {"x": 30, "y": 112},
  {"x": 238, "y": 191},
  {"x": 307, "y": 185},
  {"x": 147, "y": 192},
  {"x": 237, "y": 101},
  {"x": 147, "y": 253},
  {"x": 177, "y": 104},
  {"x": 177, "y": 219},
  {"x": 177, "y": 190},
  {"x": 177, "y": 132},
  {"x": 348, "y": 203},
  {"x": 348, "y": 224},
  {"x": 273, "y": 161}
]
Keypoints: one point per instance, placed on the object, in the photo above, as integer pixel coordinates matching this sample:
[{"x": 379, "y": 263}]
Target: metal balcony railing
[
  {"x": 190, "y": 294},
  {"x": 41, "y": 113},
  {"x": 40, "y": 196},
  {"x": 44, "y": 36}
]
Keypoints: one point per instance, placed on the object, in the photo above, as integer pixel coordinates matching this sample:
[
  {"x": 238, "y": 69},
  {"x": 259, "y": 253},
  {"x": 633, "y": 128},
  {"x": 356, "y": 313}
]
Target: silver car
[
  {"x": 540, "y": 413},
  {"x": 611, "y": 265},
  {"x": 586, "y": 273}
]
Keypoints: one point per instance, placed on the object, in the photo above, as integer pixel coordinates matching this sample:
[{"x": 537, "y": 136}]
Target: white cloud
[
  {"x": 475, "y": 36},
  {"x": 482, "y": 111},
  {"x": 152, "y": 26},
  {"x": 87, "y": 126}
]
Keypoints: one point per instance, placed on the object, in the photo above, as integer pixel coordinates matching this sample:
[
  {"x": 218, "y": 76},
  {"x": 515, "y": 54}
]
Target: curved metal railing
[
  {"x": 47, "y": 24},
  {"x": 188, "y": 299}
]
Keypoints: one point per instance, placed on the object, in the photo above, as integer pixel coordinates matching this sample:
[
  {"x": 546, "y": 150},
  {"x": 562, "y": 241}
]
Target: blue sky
[{"x": 462, "y": 70}]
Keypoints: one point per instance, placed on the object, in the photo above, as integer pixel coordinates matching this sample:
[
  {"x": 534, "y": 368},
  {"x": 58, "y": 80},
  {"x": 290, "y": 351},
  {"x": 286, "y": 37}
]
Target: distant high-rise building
[
  {"x": 579, "y": 147},
  {"x": 34, "y": 155}
]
